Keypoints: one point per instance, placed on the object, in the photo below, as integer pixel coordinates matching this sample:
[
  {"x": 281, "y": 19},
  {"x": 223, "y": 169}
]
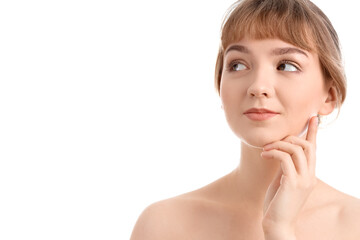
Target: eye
[
  {"x": 287, "y": 67},
  {"x": 236, "y": 66}
]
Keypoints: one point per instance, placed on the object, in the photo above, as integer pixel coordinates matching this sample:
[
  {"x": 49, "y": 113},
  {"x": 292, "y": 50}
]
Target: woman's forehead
[
  {"x": 304, "y": 44},
  {"x": 271, "y": 47}
]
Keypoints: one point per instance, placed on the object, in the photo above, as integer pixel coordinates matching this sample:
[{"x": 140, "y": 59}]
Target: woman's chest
[{"x": 239, "y": 226}]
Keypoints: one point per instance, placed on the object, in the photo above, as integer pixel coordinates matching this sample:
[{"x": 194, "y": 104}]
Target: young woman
[{"x": 278, "y": 71}]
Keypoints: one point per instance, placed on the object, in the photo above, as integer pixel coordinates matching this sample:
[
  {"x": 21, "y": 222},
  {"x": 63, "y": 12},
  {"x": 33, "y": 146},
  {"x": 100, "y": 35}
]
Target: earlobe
[{"x": 330, "y": 102}]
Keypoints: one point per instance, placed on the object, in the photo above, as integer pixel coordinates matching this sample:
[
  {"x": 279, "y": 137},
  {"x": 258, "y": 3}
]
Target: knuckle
[{"x": 299, "y": 150}]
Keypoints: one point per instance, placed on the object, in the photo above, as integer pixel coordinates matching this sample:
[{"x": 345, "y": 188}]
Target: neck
[{"x": 254, "y": 174}]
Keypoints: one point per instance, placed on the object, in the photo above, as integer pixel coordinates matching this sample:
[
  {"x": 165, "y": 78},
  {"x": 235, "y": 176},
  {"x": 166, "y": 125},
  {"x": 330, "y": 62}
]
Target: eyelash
[
  {"x": 289, "y": 62},
  {"x": 233, "y": 63}
]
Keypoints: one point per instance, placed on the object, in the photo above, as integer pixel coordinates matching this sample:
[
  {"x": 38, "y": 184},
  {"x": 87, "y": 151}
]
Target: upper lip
[{"x": 259, "y": 110}]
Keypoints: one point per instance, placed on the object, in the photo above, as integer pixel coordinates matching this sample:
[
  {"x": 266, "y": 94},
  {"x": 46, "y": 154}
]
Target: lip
[{"x": 260, "y": 114}]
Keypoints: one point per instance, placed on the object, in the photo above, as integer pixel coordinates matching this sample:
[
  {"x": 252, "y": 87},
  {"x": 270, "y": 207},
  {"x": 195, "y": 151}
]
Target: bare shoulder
[
  {"x": 349, "y": 218},
  {"x": 350, "y": 209},
  {"x": 170, "y": 219},
  {"x": 155, "y": 222},
  {"x": 179, "y": 217}
]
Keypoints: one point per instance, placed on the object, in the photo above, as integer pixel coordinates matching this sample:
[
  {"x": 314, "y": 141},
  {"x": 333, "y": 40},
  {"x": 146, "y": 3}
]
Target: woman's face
[{"x": 269, "y": 89}]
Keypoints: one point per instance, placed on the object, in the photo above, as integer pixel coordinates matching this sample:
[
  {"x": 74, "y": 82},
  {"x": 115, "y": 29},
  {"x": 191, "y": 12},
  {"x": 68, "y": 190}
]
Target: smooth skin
[
  {"x": 273, "y": 193},
  {"x": 293, "y": 184}
]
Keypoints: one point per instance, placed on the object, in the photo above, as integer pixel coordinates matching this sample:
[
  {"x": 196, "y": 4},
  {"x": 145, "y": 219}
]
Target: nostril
[
  {"x": 259, "y": 95},
  {"x": 260, "y": 90}
]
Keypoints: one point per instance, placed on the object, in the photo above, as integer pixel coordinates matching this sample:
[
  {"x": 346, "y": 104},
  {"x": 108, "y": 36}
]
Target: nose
[{"x": 261, "y": 85}]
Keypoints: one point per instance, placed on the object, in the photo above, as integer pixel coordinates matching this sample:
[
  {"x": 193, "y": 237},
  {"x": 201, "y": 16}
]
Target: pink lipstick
[{"x": 260, "y": 114}]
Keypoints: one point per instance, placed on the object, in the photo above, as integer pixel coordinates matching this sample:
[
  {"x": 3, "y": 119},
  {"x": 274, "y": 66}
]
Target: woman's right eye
[{"x": 237, "y": 66}]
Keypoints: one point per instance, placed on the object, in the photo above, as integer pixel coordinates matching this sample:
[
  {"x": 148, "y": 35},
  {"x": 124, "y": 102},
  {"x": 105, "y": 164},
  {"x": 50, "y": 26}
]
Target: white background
[{"x": 107, "y": 107}]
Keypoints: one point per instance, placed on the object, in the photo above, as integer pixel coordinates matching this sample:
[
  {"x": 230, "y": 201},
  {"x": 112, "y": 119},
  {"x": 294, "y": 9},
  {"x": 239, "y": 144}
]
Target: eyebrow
[
  {"x": 276, "y": 51},
  {"x": 238, "y": 48},
  {"x": 288, "y": 50}
]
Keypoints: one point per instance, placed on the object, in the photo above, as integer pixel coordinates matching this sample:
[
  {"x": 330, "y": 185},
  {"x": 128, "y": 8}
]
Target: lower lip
[{"x": 260, "y": 116}]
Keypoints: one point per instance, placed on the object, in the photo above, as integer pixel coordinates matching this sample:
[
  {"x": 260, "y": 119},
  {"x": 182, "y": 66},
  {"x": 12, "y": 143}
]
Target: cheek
[
  {"x": 229, "y": 93},
  {"x": 232, "y": 98},
  {"x": 306, "y": 93},
  {"x": 301, "y": 103},
  {"x": 314, "y": 99}
]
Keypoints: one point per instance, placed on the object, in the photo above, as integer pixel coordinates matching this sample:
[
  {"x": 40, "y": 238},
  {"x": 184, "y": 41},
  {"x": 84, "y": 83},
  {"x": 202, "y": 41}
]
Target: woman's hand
[{"x": 292, "y": 185}]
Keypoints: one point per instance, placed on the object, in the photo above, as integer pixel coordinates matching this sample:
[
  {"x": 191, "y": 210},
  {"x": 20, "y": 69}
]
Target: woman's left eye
[{"x": 288, "y": 67}]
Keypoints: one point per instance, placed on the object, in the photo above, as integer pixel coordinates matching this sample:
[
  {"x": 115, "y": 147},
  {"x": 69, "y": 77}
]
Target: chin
[
  {"x": 261, "y": 140},
  {"x": 261, "y": 135},
  {"x": 257, "y": 144}
]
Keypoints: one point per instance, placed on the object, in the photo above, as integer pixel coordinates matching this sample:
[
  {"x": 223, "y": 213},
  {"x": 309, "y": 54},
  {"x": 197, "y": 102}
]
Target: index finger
[{"x": 312, "y": 130}]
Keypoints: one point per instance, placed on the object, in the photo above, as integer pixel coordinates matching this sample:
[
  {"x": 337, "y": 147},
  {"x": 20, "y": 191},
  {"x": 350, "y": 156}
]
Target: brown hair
[{"x": 298, "y": 22}]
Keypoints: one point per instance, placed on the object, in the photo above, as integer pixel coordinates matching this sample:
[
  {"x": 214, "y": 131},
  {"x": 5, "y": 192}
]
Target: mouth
[{"x": 260, "y": 114}]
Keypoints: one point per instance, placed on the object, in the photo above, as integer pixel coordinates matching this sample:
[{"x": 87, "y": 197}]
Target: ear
[{"x": 331, "y": 101}]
